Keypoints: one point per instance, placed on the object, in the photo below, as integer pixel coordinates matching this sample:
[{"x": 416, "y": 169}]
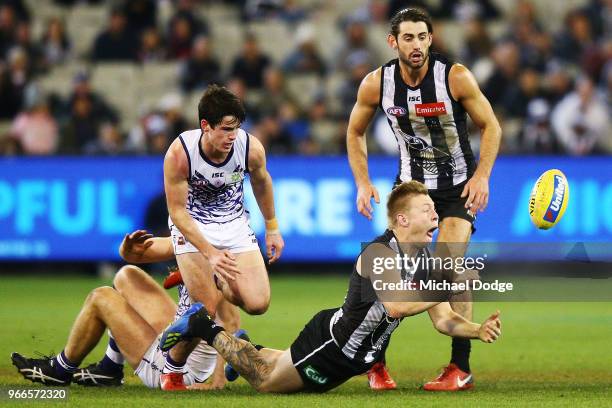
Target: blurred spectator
[
  {"x": 110, "y": 141},
  {"x": 82, "y": 126},
  {"x": 359, "y": 66},
  {"x": 86, "y": 111},
  {"x": 537, "y": 135},
  {"x": 116, "y": 42},
  {"x": 201, "y": 69},
  {"x": 534, "y": 46},
  {"x": 23, "y": 39},
  {"x": 187, "y": 9},
  {"x": 151, "y": 46},
  {"x": 574, "y": 39},
  {"x": 478, "y": 43},
  {"x": 238, "y": 87},
  {"x": 183, "y": 28},
  {"x": 595, "y": 58},
  {"x": 157, "y": 136},
  {"x": 13, "y": 80},
  {"x": 180, "y": 38},
  {"x": 505, "y": 58},
  {"x": 35, "y": 129},
  {"x": 557, "y": 83},
  {"x": 397, "y": 5},
  {"x": 82, "y": 89},
  {"x": 599, "y": 13},
  {"x": 275, "y": 93},
  {"x": 518, "y": 97},
  {"x": 8, "y": 26},
  {"x": 581, "y": 119},
  {"x": 289, "y": 11},
  {"x": 141, "y": 14},
  {"x": 251, "y": 63},
  {"x": 466, "y": 10},
  {"x": 55, "y": 43},
  {"x": 305, "y": 59},
  {"x": 20, "y": 9},
  {"x": 170, "y": 107},
  {"x": 273, "y": 136},
  {"x": 355, "y": 42}
]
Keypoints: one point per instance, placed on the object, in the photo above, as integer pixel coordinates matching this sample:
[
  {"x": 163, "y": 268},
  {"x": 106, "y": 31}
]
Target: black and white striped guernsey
[
  {"x": 361, "y": 328},
  {"x": 429, "y": 125},
  {"x": 216, "y": 193}
]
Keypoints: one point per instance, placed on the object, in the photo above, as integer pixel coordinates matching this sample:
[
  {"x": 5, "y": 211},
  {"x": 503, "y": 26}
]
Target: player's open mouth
[
  {"x": 417, "y": 56},
  {"x": 430, "y": 232}
]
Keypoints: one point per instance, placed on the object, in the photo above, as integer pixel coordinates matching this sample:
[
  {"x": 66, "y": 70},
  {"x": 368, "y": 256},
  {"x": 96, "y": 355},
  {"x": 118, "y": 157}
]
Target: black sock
[
  {"x": 460, "y": 355},
  {"x": 202, "y": 326}
]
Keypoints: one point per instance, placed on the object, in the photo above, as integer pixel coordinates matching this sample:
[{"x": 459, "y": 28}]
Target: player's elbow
[
  {"x": 397, "y": 310},
  {"x": 441, "y": 326}
]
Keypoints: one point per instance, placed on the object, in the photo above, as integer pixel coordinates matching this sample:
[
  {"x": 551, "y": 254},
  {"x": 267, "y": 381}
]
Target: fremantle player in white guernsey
[
  {"x": 426, "y": 98},
  {"x": 135, "y": 311},
  {"x": 216, "y": 249},
  {"x": 337, "y": 344}
]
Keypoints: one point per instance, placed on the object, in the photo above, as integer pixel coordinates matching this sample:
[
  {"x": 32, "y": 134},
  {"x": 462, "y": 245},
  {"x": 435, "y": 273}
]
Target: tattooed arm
[{"x": 244, "y": 357}]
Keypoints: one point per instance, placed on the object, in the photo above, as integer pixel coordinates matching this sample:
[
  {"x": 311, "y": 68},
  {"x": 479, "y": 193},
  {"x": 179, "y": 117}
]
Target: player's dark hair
[
  {"x": 410, "y": 14},
  {"x": 399, "y": 197},
  {"x": 218, "y": 102}
]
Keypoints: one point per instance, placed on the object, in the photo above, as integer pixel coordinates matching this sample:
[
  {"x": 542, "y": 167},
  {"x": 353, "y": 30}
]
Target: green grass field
[{"x": 550, "y": 354}]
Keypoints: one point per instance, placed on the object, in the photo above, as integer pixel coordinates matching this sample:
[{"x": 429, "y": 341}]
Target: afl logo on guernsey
[
  {"x": 553, "y": 209},
  {"x": 397, "y": 111}
]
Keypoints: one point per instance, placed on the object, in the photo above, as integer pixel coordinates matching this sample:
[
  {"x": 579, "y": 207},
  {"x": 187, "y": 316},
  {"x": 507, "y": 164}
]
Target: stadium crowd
[{"x": 551, "y": 89}]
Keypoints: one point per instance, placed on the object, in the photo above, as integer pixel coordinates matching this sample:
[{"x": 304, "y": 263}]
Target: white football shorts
[
  {"x": 199, "y": 366},
  {"x": 235, "y": 236}
]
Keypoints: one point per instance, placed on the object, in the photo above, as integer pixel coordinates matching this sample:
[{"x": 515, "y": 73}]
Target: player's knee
[
  {"x": 126, "y": 274},
  {"x": 101, "y": 295},
  {"x": 257, "y": 307}
]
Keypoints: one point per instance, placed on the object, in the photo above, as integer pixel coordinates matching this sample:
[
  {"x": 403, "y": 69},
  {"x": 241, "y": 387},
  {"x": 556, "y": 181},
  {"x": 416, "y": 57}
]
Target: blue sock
[
  {"x": 172, "y": 366},
  {"x": 64, "y": 368},
  {"x": 113, "y": 359}
]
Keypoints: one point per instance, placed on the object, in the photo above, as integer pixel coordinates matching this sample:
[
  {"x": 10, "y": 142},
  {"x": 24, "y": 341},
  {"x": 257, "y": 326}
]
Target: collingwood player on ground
[
  {"x": 340, "y": 343},
  {"x": 215, "y": 248},
  {"x": 426, "y": 98}
]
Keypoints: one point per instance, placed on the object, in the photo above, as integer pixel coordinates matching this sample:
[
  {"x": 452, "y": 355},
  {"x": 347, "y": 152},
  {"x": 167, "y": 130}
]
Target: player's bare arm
[
  {"x": 361, "y": 116},
  {"x": 142, "y": 247},
  {"x": 261, "y": 181},
  {"x": 448, "y": 322},
  {"x": 464, "y": 88},
  {"x": 176, "y": 185}
]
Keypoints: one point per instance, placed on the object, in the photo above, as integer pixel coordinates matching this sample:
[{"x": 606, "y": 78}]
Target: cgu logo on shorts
[
  {"x": 314, "y": 375},
  {"x": 397, "y": 111},
  {"x": 555, "y": 205},
  {"x": 430, "y": 109}
]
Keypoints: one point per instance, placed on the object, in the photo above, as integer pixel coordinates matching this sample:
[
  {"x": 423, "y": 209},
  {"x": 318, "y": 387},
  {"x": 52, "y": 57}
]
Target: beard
[{"x": 406, "y": 60}]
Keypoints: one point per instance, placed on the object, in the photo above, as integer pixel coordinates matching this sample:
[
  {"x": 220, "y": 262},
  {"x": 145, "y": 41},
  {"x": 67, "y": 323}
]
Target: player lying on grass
[
  {"x": 135, "y": 298},
  {"x": 340, "y": 343}
]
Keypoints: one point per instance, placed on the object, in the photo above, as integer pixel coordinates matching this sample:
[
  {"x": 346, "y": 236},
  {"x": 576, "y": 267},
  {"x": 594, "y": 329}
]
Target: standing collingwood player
[
  {"x": 216, "y": 249},
  {"x": 426, "y": 98},
  {"x": 337, "y": 344}
]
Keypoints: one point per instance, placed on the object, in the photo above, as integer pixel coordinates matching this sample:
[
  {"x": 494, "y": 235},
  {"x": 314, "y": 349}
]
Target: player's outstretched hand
[
  {"x": 223, "y": 263},
  {"x": 364, "y": 200},
  {"x": 490, "y": 330},
  {"x": 134, "y": 245},
  {"x": 274, "y": 246},
  {"x": 477, "y": 192}
]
